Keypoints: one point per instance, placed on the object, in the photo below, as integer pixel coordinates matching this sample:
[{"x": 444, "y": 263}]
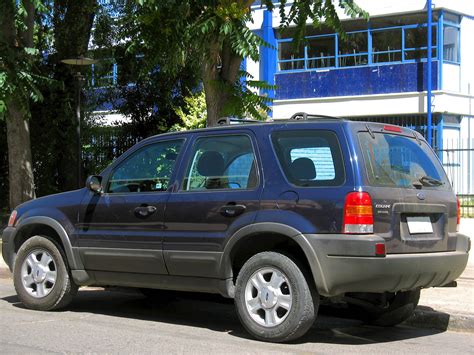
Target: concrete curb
[{"x": 427, "y": 317}]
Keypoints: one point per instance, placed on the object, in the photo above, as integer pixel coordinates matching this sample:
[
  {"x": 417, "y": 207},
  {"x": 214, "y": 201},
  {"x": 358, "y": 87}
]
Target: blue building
[{"x": 379, "y": 72}]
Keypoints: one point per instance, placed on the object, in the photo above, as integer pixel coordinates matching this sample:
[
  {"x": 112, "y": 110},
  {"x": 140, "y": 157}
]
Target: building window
[
  {"x": 104, "y": 73},
  {"x": 321, "y": 52},
  {"x": 451, "y": 44},
  {"x": 416, "y": 40},
  {"x": 353, "y": 50},
  {"x": 387, "y": 45},
  {"x": 289, "y": 57}
]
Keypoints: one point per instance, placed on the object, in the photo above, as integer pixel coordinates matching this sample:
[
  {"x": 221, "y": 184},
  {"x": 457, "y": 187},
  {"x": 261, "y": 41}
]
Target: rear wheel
[
  {"x": 273, "y": 299},
  {"x": 396, "y": 309},
  {"x": 41, "y": 275}
]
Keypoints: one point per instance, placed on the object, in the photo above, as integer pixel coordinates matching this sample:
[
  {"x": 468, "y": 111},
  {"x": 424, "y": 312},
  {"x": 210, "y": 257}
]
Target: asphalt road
[{"x": 118, "y": 322}]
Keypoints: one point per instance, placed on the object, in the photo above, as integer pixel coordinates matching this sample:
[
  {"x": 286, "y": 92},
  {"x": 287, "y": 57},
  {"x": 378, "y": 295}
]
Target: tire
[
  {"x": 399, "y": 307},
  {"x": 273, "y": 299},
  {"x": 41, "y": 276}
]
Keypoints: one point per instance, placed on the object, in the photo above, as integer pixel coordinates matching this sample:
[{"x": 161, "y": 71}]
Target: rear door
[
  {"x": 415, "y": 209},
  {"x": 219, "y": 193}
]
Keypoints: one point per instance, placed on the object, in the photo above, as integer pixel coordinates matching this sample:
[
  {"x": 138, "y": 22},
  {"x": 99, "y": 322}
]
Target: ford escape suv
[{"x": 279, "y": 216}]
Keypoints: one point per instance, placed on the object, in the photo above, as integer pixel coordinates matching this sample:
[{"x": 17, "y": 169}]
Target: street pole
[
  {"x": 79, "y": 78},
  {"x": 79, "y": 83},
  {"x": 428, "y": 104}
]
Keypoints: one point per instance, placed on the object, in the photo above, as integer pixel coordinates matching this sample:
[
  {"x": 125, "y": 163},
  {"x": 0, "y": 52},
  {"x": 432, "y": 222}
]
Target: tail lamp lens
[
  {"x": 380, "y": 249},
  {"x": 358, "y": 214}
]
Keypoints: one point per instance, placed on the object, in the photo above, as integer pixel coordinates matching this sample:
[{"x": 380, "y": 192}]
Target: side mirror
[{"x": 93, "y": 183}]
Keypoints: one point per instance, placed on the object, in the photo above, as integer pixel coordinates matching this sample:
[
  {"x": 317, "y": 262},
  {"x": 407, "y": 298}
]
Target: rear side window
[
  {"x": 399, "y": 161},
  {"x": 310, "y": 158},
  {"x": 223, "y": 163}
]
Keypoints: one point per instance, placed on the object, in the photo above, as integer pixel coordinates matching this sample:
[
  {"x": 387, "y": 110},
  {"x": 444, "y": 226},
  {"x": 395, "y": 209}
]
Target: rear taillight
[
  {"x": 458, "y": 222},
  {"x": 12, "y": 219},
  {"x": 358, "y": 214}
]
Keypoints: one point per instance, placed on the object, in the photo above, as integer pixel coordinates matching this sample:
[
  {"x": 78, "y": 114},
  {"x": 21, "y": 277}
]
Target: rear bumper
[{"x": 339, "y": 269}]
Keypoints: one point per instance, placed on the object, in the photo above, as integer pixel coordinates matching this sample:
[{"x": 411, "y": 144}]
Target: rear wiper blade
[{"x": 428, "y": 181}]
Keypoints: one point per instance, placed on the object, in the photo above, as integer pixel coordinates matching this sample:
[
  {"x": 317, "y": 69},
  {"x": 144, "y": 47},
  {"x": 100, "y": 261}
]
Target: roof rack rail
[
  {"x": 232, "y": 120},
  {"x": 309, "y": 116}
]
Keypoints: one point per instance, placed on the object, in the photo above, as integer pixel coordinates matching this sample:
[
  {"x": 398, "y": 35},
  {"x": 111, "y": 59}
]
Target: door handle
[
  {"x": 232, "y": 210},
  {"x": 144, "y": 211}
]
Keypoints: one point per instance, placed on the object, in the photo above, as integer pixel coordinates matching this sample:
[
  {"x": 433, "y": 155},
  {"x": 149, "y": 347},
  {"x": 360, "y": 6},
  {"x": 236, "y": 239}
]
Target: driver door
[{"x": 122, "y": 229}]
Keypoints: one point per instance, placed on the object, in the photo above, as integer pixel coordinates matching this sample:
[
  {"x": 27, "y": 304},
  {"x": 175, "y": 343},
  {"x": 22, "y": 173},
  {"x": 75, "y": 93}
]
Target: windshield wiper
[{"x": 427, "y": 181}]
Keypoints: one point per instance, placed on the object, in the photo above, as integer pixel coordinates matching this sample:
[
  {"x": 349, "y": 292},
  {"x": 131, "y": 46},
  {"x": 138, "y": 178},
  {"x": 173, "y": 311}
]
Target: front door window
[{"x": 147, "y": 170}]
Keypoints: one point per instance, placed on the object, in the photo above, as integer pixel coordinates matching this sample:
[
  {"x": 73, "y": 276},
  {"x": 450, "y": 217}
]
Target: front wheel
[
  {"x": 273, "y": 299},
  {"x": 41, "y": 276}
]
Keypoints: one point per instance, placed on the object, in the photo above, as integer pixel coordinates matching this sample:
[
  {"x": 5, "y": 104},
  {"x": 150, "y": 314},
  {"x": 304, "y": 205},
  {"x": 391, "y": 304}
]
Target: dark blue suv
[{"x": 279, "y": 216}]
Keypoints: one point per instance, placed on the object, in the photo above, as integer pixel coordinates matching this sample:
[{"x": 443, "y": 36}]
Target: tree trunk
[
  {"x": 73, "y": 22},
  {"x": 20, "y": 166},
  {"x": 219, "y": 82}
]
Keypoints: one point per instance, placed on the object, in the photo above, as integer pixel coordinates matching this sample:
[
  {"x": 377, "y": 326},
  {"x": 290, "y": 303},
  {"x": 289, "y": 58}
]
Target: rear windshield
[
  {"x": 310, "y": 157},
  {"x": 400, "y": 161}
]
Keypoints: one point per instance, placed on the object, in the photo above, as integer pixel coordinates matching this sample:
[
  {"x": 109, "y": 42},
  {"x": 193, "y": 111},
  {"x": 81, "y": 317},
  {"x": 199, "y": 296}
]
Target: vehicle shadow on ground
[{"x": 218, "y": 314}]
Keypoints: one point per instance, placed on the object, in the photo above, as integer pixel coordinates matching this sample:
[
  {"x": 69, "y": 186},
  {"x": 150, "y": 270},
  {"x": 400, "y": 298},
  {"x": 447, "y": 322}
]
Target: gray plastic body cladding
[
  {"x": 7, "y": 243},
  {"x": 343, "y": 265},
  {"x": 9, "y": 234},
  {"x": 163, "y": 282}
]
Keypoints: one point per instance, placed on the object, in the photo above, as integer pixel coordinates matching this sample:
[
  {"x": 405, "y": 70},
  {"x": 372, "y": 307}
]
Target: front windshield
[{"x": 400, "y": 161}]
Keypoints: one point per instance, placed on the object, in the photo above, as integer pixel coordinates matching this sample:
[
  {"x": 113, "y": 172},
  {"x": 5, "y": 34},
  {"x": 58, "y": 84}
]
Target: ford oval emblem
[{"x": 420, "y": 195}]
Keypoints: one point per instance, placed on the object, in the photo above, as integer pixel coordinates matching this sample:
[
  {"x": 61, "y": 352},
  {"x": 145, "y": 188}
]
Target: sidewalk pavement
[{"x": 442, "y": 308}]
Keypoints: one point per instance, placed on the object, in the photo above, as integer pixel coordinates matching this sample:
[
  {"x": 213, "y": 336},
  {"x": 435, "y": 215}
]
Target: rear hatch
[{"x": 414, "y": 206}]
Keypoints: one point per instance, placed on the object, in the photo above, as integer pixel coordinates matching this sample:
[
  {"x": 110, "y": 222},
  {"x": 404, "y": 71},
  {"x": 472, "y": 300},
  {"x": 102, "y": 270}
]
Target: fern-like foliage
[{"x": 180, "y": 33}]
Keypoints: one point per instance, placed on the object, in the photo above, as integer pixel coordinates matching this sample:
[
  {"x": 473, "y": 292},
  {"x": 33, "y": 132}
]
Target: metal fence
[
  {"x": 457, "y": 157},
  {"x": 101, "y": 145}
]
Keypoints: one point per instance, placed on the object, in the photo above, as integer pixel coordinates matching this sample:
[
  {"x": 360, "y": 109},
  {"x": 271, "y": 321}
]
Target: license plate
[{"x": 419, "y": 225}]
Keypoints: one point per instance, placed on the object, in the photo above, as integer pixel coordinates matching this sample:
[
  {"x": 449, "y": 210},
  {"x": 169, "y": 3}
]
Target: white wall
[
  {"x": 467, "y": 55},
  {"x": 451, "y": 77},
  {"x": 253, "y": 68},
  {"x": 467, "y": 128},
  {"x": 370, "y": 105}
]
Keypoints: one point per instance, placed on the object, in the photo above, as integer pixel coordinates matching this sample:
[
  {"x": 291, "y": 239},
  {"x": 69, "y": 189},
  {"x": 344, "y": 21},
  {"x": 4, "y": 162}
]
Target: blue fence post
[
  {"x": 440, "y": 48},
  {"x": 428, "y": 99},
  {"x": 369, "y": 44},
  {"x": 439, "y": 137},
  {"x": 268, "y": 54}
]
